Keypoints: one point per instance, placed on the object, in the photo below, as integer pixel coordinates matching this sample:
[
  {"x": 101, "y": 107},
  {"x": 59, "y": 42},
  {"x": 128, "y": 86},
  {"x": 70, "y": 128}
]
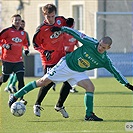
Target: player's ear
[{"x": 109, "y": 47}]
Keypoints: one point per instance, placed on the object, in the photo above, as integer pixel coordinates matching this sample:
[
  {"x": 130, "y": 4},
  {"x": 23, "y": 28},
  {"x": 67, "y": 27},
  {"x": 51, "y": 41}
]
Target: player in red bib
[
  {"x": 13, "y": 39},
  {"x": 51, "y": 48}
]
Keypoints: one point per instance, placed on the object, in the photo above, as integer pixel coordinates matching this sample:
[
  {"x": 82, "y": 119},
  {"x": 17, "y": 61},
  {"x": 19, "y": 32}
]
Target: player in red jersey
[
  {"x": 13, "y": 39},
  {"x": 51, "y": 48},
  {"x": 11, "y": 86}
]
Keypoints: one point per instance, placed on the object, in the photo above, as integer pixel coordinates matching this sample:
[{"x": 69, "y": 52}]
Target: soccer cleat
[
  {"x": 13, "y": 89},
  {"x": 37, "y": 109},
  {"x": 62, "y": 110},
  {"x": 73, "y": 90},
  {"x": 93, "y": 117},
  {"x": 12, "y": 99},
  {"x": 23, "y": 101}
]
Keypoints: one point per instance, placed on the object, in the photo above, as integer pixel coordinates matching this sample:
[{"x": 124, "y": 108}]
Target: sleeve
[
  {"x": 37, "y": 41},
  {"x": 117, "y": 74},
  {"x": 27, "y": 35},
  {"x": 81, "y": 37},
  {"x": 25, "y": 43},
  {"x": 3, "y": 35}
]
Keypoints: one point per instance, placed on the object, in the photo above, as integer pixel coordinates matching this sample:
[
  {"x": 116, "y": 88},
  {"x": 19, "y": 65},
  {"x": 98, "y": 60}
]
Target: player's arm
[
  {"x": 26, "y": 46},
  {"x": 27, "y": 35},
  {"x": 3, "y": 42},
  {"x": 81, "y": 37},
  {"x": 117, "y": 74},
  {"x": 37, "y": 41}
]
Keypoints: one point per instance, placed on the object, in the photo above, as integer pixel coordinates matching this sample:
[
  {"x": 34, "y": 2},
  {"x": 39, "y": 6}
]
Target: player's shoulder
[
  {"x": 41, "y": 26},
  {"x": 5, "y": 29},
  {"x": 61, "y": 18}
]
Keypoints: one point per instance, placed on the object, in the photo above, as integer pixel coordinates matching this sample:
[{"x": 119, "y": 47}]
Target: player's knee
[{"x": 43, "y": 82}]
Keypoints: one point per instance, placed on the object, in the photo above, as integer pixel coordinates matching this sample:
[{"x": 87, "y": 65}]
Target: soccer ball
[{"x": 18, "y": 109}]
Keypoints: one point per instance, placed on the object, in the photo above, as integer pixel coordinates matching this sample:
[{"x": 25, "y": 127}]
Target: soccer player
[
  {"x": 92, "y": 54},
  {"x": 11, "y": 86},
  {"x": 51, "y": 48},
  {"x": 69, "y": 43},
  {"x": 13, "y": 39}
]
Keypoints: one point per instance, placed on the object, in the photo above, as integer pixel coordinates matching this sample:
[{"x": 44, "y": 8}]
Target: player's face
[
  {"x": 16, "y": 21},
  {"x": 102, "y": 47},
  {"x": 50, "y": 18},
  {"x": 22, "y": 25}
]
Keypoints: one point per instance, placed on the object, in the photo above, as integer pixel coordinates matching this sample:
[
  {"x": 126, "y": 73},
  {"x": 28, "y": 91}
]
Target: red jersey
[
  {"x": 17, "y": 39},
  {"x": 69, "y": 42},
  {"x": 44, "y": 39}
]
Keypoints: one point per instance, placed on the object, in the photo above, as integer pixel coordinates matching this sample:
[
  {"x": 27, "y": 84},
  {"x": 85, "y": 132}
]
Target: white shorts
[{"x": 61, "y": 73}]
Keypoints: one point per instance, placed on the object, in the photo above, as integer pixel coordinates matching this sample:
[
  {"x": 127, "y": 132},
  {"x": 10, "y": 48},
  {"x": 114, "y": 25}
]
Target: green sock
[
  {"x": 88, "y": 101},
  {"x": 30, "y": 86},
  {"x": 14, "y": 81},
  {"x": 10, "y": 80}
]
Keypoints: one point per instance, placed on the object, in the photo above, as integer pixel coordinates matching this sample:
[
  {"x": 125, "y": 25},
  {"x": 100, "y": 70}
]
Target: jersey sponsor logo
[
  {"x": 90, "y": 58},
  {"x": 58, "y": 22},
  {"x": 56, "y": 34},
  {"x": 16, "y": 39},
  {"x": 83, "y": 63}
]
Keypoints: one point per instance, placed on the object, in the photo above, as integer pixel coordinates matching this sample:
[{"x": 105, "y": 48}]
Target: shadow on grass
[
  {"x": 106, "y": 93},
  {"x": 118, "y": 121},
  {"x": 117, "y": 106},
  {"x": 80, "y": 120}
]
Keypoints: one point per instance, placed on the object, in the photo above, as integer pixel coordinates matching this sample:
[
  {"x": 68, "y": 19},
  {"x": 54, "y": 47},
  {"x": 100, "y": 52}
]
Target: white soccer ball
[{"x": 18, "y": 109}]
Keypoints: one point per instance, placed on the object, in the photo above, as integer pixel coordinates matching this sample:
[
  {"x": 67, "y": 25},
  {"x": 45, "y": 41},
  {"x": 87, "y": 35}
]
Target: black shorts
[{"x": 8, "y": 67}]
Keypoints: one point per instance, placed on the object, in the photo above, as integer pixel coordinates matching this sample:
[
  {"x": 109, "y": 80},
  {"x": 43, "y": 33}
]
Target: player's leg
[
  {"x": 44, "y": 81},
  {"x": 13, "y": 83},
  {"x": 64, "y": 92},
  {"x": 88, "y": 99},
  {"x": 8, "y": 89},
  {"x": 20, "y": 77},
  {"x": 41, "y": 95},
  {"x": 6, "y": 71},
  {"x": 19, "y": 72}
]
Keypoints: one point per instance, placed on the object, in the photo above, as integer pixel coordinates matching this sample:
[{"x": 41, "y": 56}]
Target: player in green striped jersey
[{"x": 92, "y": 54}]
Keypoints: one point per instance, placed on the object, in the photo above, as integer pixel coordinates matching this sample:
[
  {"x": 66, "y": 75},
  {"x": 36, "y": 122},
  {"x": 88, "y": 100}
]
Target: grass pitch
[{"x": 112, "y": 102}]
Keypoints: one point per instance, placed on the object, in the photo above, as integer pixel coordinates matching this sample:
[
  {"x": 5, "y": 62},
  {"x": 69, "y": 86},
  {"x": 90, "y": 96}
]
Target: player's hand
[
  {"x": 129, "y": 86},
  {"x": 70, "y": 22},
  {"x": 26, "y": 52},
  {"x": 55, "y": 28},
  {"x": 7, "y": 46},
  {"x": 47, "y": 53}
]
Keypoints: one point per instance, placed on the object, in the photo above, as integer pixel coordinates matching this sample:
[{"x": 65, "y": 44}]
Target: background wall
[{"x": 99, "y": 18}]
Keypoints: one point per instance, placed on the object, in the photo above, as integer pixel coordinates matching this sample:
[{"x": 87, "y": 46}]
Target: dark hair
[
  {"x": 49, "y": 8},
  {"x": 16, "y": 15},
  {"x": 22, "y": 21},
  {"x": 107, "y": 40}
]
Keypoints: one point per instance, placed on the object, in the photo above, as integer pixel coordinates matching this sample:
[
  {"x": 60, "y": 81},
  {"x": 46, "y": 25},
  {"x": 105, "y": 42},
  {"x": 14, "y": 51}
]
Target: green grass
[{"x": 112, "y": 102}]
